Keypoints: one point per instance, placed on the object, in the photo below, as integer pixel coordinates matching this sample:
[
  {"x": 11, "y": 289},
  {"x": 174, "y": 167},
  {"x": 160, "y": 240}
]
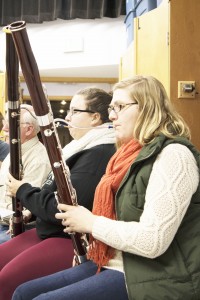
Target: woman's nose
[{"x": 112, "y": 115}]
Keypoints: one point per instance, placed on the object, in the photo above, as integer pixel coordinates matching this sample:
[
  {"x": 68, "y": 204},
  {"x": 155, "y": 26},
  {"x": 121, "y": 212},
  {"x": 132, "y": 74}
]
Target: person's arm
[
  {"x": 173, "y": 181},
  {"x": 41, "y": 202},
  {"x": 86, "y": 172}
]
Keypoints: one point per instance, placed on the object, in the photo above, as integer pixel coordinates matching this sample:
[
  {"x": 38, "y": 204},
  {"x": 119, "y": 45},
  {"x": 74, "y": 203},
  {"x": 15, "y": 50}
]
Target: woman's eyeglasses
[
  {"x": 73, "y": 111},
  {"x": 118, "y": 107}
]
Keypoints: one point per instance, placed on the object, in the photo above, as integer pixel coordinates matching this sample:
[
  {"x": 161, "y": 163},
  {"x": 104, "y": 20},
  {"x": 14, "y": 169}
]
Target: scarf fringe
[{"x": 104, "y": 197}]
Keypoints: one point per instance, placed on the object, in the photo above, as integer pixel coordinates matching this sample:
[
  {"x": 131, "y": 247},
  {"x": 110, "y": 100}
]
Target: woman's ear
[{"x": 96, "y": 119}]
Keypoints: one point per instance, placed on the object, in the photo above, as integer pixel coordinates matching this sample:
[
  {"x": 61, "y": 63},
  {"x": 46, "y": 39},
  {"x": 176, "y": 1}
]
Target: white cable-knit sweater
[{"x": 173, "y": 181}]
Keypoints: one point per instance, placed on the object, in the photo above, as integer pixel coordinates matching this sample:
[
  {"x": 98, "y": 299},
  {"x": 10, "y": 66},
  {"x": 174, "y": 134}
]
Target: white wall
[{"x": 99, "y": 42}]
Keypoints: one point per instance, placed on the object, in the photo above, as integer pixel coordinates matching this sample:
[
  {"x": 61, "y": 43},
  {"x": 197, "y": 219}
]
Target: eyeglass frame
[
  {"x": 6, "y": 123},
  {"x": 26, "y": 123},
  {"x": 74, "y": 110},
  {"x": 32, "y": 115},
  {"x": 120, "y": 107}
]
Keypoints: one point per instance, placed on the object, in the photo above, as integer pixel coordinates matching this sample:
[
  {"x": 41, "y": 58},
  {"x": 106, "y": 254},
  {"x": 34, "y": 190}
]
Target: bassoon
[
  {"x": 12, "y": 72},
  {"x": 65, "y": 192}
]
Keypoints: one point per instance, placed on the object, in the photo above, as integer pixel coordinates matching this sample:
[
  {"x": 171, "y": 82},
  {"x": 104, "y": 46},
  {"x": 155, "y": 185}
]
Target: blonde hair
[{"x": 156, "y": 113}]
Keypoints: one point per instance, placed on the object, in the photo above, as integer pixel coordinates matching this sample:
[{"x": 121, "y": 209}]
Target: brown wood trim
[
  {"x": 54, "y": 98},
  {"x": 77, "y": 79}
]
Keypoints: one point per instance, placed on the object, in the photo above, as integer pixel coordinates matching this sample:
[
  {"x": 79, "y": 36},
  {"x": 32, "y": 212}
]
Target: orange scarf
[{"x": 104, "y": 197}]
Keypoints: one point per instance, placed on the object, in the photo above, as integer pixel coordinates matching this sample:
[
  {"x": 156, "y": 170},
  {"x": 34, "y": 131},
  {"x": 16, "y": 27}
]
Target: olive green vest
[{"x": 176, "y": 273}]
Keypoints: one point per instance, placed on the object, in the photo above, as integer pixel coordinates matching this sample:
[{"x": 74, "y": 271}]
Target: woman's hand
[
  {"x": 76, "y": 218},
  {"x": 12, "y": 185},
  {"x": 26, "y": 215}
]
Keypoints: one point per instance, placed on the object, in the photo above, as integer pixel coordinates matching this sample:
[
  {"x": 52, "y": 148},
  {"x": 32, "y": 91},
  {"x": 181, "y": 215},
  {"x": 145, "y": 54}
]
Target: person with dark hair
[
  {"x": 145, "y": 224},
  {"x": 47, "y": 248}
]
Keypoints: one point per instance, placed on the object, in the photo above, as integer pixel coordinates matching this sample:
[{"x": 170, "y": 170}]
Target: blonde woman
[{"x": 145, "y": 223}]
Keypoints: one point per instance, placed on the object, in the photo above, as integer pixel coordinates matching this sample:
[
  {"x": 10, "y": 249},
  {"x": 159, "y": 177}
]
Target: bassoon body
[
  {"x": 12, "y": 71},
  {"x": 65, "y": 192}
]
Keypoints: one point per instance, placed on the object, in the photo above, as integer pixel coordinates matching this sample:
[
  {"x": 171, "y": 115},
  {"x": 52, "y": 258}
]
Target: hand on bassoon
[
  {"x": 12, "y": 185},
  {"x": 76, "y": 218}
]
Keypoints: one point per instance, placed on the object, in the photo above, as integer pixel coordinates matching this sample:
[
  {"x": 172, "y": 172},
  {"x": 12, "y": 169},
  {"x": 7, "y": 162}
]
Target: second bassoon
[
  {"x": 12, "y": 75},
  {"x": 65, "y": 192}
]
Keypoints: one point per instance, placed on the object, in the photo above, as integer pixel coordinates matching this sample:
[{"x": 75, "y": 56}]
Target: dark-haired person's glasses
[
  {"x": 73, "y": 111},
  {"x": 119, "y": 107}
]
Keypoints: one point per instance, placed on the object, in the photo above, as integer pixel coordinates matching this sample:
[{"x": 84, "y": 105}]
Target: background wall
[
  {"x": 166, "y": 45},
  {"x": 75, "y": 48}
]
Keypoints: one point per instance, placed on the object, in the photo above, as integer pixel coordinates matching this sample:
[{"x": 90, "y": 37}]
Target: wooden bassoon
[
  {"x": 12, "y": 72},
  {"x": 65, "y": 192}
]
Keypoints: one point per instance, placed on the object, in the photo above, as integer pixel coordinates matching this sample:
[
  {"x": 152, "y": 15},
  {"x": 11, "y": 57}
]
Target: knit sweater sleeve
[{"x": 173, "y": 181}]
